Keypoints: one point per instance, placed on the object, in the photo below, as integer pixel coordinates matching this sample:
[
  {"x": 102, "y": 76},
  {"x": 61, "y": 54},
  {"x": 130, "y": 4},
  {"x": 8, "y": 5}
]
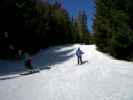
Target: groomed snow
[{"x": 101, "y": 78}]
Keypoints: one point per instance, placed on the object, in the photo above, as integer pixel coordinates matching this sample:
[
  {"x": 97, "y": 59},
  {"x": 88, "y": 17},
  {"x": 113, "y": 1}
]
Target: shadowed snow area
[
  {"x": 101, "y": 77},
  {"x": 42, "y": 60}
]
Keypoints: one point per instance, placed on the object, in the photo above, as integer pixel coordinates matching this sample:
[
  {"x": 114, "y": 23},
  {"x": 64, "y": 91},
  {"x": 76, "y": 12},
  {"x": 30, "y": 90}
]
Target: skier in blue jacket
[{"x": 79, "y": 55}]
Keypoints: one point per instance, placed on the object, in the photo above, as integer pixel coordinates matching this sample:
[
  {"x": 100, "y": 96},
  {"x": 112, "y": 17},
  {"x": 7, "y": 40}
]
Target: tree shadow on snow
[
  {"x": 44, "y": 60},
  {"x": 51, "y": 57}
]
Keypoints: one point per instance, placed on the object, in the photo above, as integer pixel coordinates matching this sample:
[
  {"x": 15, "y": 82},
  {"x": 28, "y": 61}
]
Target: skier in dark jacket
[
  {"x": 28, "y": 63},
  {"x": 79, "y": 55}
]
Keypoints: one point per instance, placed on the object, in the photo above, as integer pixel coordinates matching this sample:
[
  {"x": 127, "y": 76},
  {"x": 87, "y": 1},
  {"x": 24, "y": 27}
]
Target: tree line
[
  {"x": 31, "y": 25},
  {"x": 113, "y": 27}
]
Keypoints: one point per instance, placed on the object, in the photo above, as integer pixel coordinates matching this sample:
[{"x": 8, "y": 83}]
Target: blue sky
[{"x": 73, "y": 7}]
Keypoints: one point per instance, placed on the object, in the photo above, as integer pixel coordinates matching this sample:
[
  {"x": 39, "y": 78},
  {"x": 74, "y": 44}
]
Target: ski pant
[{"x": 79, "y": 59}]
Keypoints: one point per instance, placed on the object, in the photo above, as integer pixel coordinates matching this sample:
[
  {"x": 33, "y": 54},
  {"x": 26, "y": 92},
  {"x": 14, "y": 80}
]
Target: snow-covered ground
[{"x": 101, "y": 78}]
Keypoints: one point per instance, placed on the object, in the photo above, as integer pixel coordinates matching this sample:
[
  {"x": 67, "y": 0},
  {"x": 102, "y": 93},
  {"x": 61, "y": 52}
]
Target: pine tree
[{"x": 111, "y": 25}]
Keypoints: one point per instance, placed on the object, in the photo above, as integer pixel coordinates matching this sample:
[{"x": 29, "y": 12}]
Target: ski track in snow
[{"x": 101, "y": 78}]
